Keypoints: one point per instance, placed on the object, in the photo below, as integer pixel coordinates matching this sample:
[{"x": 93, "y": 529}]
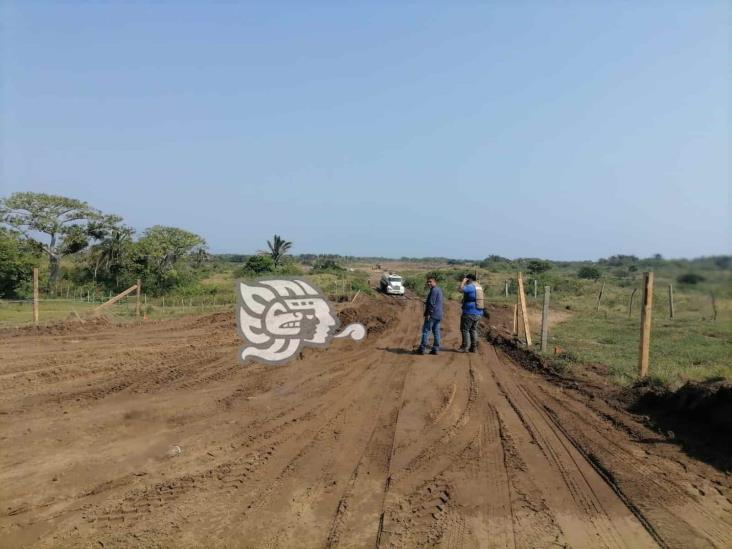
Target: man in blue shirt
[
  {"x": 471, "y": 315},
  {"x": 432, "y": 318}
]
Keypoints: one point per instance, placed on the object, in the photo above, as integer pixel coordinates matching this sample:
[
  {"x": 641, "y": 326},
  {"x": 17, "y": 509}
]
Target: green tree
[
  {"x": 66, "y": 225},
  {"x": 200, "y": 257},
  {"x": 157, "y": 253},
  {"x": 257, "y": 265},
  {"x": 537, "y": 266},
  {"x": 495, "y": 262},
  {"x": 165, "y": 246},
  {"x": 278, "y": 248},
  {"x": 590, "y": 273},
  {"x": 108, "y": 259},
  {"x": 16, "y": 263}
]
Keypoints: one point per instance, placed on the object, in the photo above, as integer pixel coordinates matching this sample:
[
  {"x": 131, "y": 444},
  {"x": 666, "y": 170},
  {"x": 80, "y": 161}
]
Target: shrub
[
  {"x": 537, "y": 266},
  {"x": 361, "y": 285},
  {"x": 326, "y": 266},
  {"x": 589, "y": 273},
  {"x": 439, "y": 276},
  {"x": 690, "y": 278},
  {"x": 257, "y": 265},
  {"x": 289, "y": 267}
]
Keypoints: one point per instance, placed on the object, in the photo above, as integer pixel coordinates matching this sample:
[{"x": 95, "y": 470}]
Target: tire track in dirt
[
  {"x": 661, "y": 501},
  {"x": 606, "y": 521}
]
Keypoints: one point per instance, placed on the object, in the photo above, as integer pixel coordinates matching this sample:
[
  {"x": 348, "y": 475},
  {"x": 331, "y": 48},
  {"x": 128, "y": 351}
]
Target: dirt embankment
[
  {"x": 154, "y": 435},
  {"x": 697, "y": 416}
]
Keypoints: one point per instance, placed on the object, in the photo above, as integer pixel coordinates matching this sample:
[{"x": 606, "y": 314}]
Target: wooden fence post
[
  {"x": 35, "y": 296},
  {"x": 630, "y": 305},
  {"x": 599, "y": 297},
  {"x": 137, "y": 304},
  {"x": 515, "y": 320},
  {"x": 671, "y": 301},
  {"x": 714, "y": 306},
  {"x": 524, "y": 313},
  {"x": 536, "y": 282},
  {"x": 645, "y": 337},
  {"x": 545, "y": 320},
  {"x": 506, "y": 288}
]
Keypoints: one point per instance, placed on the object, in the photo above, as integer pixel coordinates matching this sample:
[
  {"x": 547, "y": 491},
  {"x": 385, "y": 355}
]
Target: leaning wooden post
[
  {"x": 545, "y": 320},
  {"x": 646, "y": 310},
  {"x": 524, "y": 313},
  {"x": 35, "y": 296},
  {"x": 630, "y": 305},
  {"x": 514, "y": 331},
  {"x": 599, "y": 296},
  {"x": 137, "y": 305},
  {"x": 671, "y": 301},
  {"x": 117, "y": 298}
]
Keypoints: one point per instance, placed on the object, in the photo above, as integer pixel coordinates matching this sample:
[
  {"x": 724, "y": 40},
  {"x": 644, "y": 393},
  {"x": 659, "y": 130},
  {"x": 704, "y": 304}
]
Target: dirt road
[{"x": 154, "y": 436}]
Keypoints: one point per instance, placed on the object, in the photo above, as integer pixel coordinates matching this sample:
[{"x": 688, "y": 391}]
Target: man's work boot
[
  {"x": 474, "y": 349},
  {"x": 461, "y": 350},
  {"x": 433, "y": 351},
  {"x": 420, "y": 351}
]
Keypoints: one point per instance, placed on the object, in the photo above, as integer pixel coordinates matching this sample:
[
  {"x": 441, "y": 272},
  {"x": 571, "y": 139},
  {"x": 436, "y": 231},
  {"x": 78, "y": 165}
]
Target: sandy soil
[{"x": 153, "y": 435}]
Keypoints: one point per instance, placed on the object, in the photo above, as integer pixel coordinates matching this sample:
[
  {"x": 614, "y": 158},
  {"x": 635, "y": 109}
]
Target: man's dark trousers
[{"x": 469, "y": 329}]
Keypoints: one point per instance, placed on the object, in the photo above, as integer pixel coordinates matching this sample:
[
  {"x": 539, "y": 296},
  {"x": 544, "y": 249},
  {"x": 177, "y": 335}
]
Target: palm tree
[
  {"x": 278, "y": 248},
  {"x": 108, "y": 253}
]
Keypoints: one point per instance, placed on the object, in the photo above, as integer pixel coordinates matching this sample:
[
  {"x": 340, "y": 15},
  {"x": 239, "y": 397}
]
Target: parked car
[{"x": 392, "y": 284}]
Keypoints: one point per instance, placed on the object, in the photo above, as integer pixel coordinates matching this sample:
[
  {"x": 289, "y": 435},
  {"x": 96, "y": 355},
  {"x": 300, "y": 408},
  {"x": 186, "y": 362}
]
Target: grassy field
[
  {"x": 218, "y": 295},
  {"x": 13, "y": 313}
]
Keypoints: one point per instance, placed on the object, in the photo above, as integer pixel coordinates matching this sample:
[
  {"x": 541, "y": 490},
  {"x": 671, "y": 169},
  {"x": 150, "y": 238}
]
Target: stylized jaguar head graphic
[{"x": 278, "y": 317}]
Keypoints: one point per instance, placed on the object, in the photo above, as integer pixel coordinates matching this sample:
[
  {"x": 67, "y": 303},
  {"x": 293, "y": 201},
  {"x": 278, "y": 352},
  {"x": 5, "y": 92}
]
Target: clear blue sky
[{"x": 564, "y": 130}]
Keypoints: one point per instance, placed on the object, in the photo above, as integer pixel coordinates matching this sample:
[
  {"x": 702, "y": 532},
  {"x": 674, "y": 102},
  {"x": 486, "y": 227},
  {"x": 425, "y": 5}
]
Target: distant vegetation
[
  {"x": 690, "y": 278},
  {"x": 589, "y": 273}
]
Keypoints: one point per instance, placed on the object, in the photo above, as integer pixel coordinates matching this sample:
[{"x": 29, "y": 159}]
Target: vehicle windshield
[{"x": 395, "y": 279}]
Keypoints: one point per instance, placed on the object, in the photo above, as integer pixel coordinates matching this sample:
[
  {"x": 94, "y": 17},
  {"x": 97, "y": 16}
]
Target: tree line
[
  {"x": 76, "y": 243},
  {"x": 83, "y": 245}
]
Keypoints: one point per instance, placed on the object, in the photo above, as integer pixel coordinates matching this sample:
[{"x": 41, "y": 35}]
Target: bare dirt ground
[{"x": 153, "y": 435}]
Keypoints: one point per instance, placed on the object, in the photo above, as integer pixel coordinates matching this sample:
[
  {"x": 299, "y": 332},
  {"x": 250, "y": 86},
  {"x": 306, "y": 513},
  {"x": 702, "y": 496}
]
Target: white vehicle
[{"x": 392, "y": 284}]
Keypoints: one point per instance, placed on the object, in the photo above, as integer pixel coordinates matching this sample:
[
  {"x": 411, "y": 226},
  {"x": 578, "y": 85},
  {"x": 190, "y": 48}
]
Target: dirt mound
[
  {"x": 73, "y": 323},
  {"x": 709, "y": 402},
  {"x": 225, "y": 319},
  {"x": 376, "y": 321},
  {"x": 700, "y": 414}
]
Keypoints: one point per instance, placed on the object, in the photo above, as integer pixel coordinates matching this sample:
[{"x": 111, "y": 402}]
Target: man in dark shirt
[{"x": 432, "y": 318}]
